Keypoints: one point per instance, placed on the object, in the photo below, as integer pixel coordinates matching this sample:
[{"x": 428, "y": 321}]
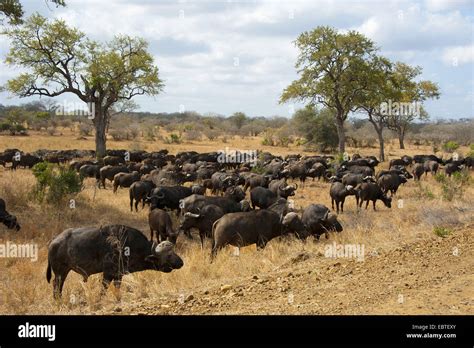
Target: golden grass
[{"x": 23, "y": 286}]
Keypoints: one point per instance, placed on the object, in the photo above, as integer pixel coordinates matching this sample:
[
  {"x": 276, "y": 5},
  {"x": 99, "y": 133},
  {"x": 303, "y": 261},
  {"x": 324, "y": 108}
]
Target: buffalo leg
[
  {"x": 261, "y": 243},
  {"x": 201, "y": 235},
  {"x": 332, "y": 203},
  {"x": 373, "y": 202},
  {"x": 151, "y": 234},
  {"x": 367, "y": 205},
  {"x": 58, "y": 283},
  {"x": 342, "y": 207}
]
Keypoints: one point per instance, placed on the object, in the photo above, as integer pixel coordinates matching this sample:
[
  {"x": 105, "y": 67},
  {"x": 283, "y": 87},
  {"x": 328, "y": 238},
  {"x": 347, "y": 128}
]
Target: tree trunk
[
  {"x": 100, "y": 123},
  {"x": 340, "y": 132},
  {"x": 379, "y": 130},
  {"x": 401, "y": 138},
  {"x": 381, "y": 145}
]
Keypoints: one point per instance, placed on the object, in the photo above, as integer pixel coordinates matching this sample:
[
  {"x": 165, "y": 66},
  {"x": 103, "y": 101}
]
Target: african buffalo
[{"x": 113, "y": 250}]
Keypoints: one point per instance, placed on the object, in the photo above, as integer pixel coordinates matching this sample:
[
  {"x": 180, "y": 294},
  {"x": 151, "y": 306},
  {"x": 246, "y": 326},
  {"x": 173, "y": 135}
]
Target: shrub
[
  {"x": 51, "y": 130},
  {"x": 450, "y": 146},
  {"x": 268, "y": 138},
  {"x": 442, "y": 232},
  {"x": 55, "y": 183},
  {"x": 455, "y": 186},
  {"x": 173, "y": 139},
  {"x": 424, "y": 192},
  {"x": 318, "y": 127},
  {"x": 193, "y": 135},
  {"x": 85, "y": 129},
  {"x": 5, "y": 126},
  {"x": 150, "y": 134},
  {"x": 118, "y": 134},
  {"x": 133, "y": 132},
  {"x": 211, "y": 134}
]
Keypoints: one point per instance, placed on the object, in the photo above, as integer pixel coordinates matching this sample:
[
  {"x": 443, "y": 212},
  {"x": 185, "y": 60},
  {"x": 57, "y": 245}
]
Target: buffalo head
[{"x": 164, "y": 258}]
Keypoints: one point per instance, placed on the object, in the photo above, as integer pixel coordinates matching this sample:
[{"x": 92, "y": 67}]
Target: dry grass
[{"x": 23, "y": 287}]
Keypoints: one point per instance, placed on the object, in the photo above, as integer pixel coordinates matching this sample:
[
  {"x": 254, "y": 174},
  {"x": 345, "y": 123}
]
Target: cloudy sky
[{"x": 224, "y": 56}]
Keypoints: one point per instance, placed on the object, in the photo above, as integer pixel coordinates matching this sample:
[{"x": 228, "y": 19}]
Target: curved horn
[
  {"x": 189, "y": 214},
  {"x": 164, "y": 246},
  {"x": 159, "y": 195},
  {"x": 295, "y": 185},
  {"x": 326, "y": 215}
]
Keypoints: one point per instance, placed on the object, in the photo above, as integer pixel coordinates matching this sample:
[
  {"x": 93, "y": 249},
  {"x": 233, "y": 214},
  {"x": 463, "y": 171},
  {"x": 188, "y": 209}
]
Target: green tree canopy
[
  {"x": 332, "y": 69},
  {"x": 409, "y": 90}
]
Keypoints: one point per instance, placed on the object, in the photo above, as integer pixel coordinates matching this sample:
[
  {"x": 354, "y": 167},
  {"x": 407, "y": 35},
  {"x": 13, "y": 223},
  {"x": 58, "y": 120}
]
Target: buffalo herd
[{"x": 213, "y": 202}]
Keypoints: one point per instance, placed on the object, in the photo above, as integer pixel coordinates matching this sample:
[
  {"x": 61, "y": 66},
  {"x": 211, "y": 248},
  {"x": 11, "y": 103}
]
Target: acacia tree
[
  {"x": 412, "y": 92},
  {"x": 60, "y": 59},
  {"x": 331, "y": 66}
]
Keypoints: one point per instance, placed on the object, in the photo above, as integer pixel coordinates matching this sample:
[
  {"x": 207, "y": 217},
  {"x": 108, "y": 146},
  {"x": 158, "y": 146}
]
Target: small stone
[
  {"x": 189, "y": 298},
  {"x": 255, "y": 277},
  {"x": 117, "y": 309}
]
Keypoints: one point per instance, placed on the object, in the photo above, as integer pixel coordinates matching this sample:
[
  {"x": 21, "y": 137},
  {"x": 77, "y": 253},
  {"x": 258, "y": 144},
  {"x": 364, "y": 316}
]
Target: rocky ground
[{"x": 432, "y": 276}]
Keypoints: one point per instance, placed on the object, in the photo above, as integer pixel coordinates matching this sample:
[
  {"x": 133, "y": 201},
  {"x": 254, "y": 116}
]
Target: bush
[
  {"x": 55, "y": 183},
  {"x": 424, "y": 192},
  {"x": 51, "y": 130},
  {"x": 5, "y": 126},
  {"x": 193, "y": 135},
  {"x": 211, "y": 134},
  {"x": 85, "y": 129},
  {"x": 442, "y": 232},
  {"x": 450, "y": 146},
  {"x": 118, "y": 134},
  {"x": 318, "y": 127},
  {"x": 133, "y": 132},
  {"x": 268, "y": 138},
  {"x": 455, "y": 186},
  {"x": 150, "y": 134},
  {"x": 173, "y": 139}
]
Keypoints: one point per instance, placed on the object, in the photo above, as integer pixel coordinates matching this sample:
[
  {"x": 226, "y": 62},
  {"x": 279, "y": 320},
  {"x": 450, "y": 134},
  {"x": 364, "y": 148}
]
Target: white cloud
[{"x": 458, "y": 55}]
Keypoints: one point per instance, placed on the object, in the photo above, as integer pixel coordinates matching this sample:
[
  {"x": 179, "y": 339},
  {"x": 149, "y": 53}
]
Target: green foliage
[
  {"x": 424, "y": 192},
  {"x": 318, "y": 127},
  {"x": 13, "y": 10},
  {"x": 173, "y": 139},
  {"x": 450, "y": 146},
  {"x": 442, "y": 232},
  {"x": 455, "y": 186},
  {"x": 471, "y": 151},
  {"x": 150, "y": 134},
  {"x": 238, "y": 119},
  {"x": 55, "y": 183},
  {"x": 268, "y": 139},
  {"x": 258, "y": 169}
]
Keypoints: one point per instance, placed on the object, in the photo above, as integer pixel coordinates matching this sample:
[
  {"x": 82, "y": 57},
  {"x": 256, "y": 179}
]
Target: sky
[{"x": 224, "y": 56}]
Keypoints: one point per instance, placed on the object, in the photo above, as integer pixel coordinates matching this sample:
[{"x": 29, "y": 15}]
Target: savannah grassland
[{"x": 407, "y": 269}]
